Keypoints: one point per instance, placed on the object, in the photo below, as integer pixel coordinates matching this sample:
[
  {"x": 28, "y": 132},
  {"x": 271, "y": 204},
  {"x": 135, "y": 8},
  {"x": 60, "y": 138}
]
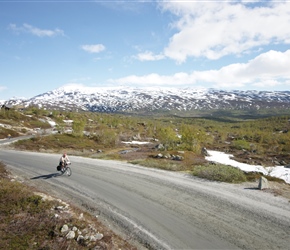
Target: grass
[
  {"x": 4, "y": 132},
  {"x": 225, "y": 173},
  {"x": 27, "y": 221},
  {"x": 160, "y": 163},
  {"x": 220, "y": 172},
  {"x": 58, "y": 142},
  {"x": 188, "y": 162},
  {"x": 259, "y": 142},
  {"x": 253, "y": 176}
]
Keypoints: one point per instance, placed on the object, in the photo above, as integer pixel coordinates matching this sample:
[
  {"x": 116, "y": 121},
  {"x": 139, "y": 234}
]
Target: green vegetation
[
  {"x": 29, "y": 222},
  {"x": 220, "y": 172},
  {"x": 161, "y": 164},
  {"x": 16, "y": 123},
  {"x": 259, "y": 141}
]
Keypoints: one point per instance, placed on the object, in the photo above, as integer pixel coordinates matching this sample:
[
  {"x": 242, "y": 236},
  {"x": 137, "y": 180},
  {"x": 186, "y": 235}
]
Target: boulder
[
  {"x": 204, "y": 152},
  {"x": 263, "y": 183}
]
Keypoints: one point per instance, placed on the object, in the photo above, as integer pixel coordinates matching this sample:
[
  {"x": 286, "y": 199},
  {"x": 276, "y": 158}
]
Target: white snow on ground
[
  {"x": 135, "y": 142},
  {"x": 276, "y": 171},
  {"x": 52, "y": 123}
]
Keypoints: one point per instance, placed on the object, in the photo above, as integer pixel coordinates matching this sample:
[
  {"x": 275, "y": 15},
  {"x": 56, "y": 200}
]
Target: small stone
[
  {"x": 70, "y": 235},
  {"x": 64, "y": 228},
  {"x": 80, "y": 237},
  {"x": 99, "y": 236},
  {"x": 92, "y": 238}
]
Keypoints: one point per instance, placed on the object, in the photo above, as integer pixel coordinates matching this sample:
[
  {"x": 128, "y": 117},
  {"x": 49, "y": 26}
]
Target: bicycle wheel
[{"x": 68, "y": 171}]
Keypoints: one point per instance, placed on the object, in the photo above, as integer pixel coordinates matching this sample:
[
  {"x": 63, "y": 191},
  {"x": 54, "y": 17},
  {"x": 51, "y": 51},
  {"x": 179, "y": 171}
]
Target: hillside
[
  {"x": 155, "y": 100},
  {"x": 260, "y": 142},
  {"x": 120, "y": 137}
]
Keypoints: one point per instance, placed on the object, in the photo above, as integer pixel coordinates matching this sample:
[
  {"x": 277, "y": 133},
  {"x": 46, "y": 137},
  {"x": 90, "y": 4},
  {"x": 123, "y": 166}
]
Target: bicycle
[{"x": 65, "y": 170}]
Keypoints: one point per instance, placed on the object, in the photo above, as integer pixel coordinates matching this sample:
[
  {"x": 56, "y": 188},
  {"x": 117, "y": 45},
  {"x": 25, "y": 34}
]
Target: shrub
[
  {"x": 220, "y": 172},
  {"x": 167, "y": 136},
  {"x": 191, "y": 138},
  {"x": 106, "y": 137},
  {"x": 17, "y": 199},
  {"x": 241, "y": 144},
  {"x": 160, "y": 163}
]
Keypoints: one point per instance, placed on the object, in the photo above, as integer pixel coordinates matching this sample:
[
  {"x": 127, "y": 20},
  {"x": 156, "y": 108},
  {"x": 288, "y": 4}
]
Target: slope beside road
[{"x": 160, "y": 209}]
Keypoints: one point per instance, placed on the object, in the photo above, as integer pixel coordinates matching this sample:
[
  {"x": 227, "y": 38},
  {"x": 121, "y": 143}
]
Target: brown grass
[{"x": 29, "y": 222}]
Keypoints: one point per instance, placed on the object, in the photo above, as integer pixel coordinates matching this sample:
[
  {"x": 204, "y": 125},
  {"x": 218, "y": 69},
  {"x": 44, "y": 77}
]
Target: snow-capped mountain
[{"x": 126, "y": 99}]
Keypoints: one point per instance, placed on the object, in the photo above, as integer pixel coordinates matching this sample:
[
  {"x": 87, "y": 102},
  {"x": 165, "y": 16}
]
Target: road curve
[{"x": 161, "y": 209}]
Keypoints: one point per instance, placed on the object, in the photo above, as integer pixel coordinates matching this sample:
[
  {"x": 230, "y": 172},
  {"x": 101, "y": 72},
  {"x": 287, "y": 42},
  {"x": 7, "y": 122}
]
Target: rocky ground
[
  {"x": 276, "y": 187},
  {"x": 68, "y": 227}
]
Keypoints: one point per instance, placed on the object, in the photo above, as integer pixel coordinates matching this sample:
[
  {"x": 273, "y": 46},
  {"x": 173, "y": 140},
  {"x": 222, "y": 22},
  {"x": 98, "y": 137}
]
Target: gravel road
[{"x": 161, "y": 209}]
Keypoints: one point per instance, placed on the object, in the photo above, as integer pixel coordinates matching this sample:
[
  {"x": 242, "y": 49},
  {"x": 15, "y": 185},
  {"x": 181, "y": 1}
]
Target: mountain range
[{"x": 132, "y": 100}]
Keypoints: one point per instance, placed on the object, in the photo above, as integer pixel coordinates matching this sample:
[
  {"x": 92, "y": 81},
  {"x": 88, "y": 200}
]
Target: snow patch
[{"x": 275, "y": 171}]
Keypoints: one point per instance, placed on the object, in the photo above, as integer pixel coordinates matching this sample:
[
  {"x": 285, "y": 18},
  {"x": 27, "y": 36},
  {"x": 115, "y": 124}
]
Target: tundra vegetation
[{"x": 259, "y": 140}]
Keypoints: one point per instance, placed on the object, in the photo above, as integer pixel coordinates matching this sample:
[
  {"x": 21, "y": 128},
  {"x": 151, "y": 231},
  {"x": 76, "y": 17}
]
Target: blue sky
[{"x": 225, "y": 45}]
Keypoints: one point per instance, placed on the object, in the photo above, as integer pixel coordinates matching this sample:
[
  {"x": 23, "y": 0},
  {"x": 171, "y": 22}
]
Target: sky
[{"x": 227, "y": 45}]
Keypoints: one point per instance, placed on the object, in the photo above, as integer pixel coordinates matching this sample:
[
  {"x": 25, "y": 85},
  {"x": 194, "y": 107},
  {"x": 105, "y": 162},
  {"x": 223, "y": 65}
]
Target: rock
[
  {"x": 92, "y": 238},
  {"x": 167, "y": 156},
  {"x": 159, "y": 156},
  {"x": 99, "y": 236},
  {"x": 64, "y": 228},
  {"x": 177, "y": 158},
  {"x": 80, "y": 238},
  {"x": 204, "y": 152},
  {"x": 263, "y": 183},
  {"x": 70, "y": 235},
  {"x": 160, "y": 147},
  {"x": 59, "y": 208}
]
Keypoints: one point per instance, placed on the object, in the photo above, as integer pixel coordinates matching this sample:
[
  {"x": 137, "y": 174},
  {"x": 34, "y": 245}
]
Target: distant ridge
[{"x": 127, "y": 99}]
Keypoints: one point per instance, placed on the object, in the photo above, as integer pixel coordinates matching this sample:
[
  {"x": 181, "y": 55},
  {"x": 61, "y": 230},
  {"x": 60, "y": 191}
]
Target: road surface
[{"x": 161, "y": 209}]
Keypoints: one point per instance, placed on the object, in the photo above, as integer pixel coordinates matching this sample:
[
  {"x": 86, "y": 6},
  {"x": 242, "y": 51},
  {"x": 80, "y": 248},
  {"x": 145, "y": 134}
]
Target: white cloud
[
  {"x": 149, "y": 56},
  {"x": 94, "y": 48},
  {"x": 272, "y": 63},
  {"x": 26, "y": 28},
  {"x": 268, "y": 69},
  {"x": 216, "y": 29},
  {"x": 155, "y": 79}
]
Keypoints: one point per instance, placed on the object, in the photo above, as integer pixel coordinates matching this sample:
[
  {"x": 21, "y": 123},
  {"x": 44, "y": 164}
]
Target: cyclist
[{"x": 63, "y": 161}]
